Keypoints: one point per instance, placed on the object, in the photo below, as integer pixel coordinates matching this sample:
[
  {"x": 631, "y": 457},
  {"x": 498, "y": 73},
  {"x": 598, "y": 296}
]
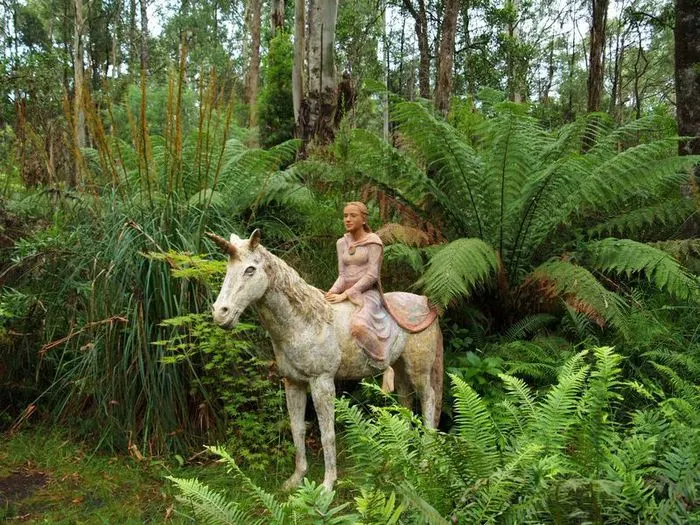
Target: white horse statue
[{"x": 313, "y": 346}]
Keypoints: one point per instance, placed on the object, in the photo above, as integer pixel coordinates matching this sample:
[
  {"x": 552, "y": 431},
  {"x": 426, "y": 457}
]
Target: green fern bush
[
  {"x": 525, "y": 209},
  {"x": 561, "y": 456}
]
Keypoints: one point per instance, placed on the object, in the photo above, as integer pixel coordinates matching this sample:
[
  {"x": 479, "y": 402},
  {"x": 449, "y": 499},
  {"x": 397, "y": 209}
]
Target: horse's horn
[
  {"x": 222, "y": 243},
  {"x": 254, "y": 239}
]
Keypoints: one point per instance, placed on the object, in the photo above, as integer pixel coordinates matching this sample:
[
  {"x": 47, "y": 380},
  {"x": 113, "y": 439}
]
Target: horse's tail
[{"x": 437, "y": 373}]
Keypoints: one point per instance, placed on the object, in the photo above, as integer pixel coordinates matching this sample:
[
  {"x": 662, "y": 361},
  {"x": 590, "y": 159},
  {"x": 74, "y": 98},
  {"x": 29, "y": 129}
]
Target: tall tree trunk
[
  {"x": 133, "y": 38},
  {"x": 544, "y": 95},
  {"x": 515, "y": 81},
  {"x": 78, "y": 77},
  {"x": 321, "y": 96},
  {"x": 298, "y": 67},
  {"x": 276, "y": 16},
  {"x": 420, "y": 17},
  {"x": 596, "y": 62},
  {"x": 253, "y": 20},
  {"x": 617, "y": 73},
  {"x": 687, "y": 72},
  {"x": 144, "y": 36},
  {"x": 443, "y": 88}
]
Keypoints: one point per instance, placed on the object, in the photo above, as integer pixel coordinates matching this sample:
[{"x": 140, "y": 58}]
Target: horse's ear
[{"x": 254, "y": 239}]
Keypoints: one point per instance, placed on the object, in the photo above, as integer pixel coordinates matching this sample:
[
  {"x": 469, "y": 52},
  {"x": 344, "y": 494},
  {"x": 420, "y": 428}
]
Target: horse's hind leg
[
  {"x": 404, "y": 389},
  {"x": 426, "y": 393},
  {"x": 296, "y": 406},
  {"x": 323, "y": 395}
]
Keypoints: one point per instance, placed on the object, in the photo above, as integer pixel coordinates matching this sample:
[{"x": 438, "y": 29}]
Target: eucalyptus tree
[
  {"x": 687, "y": 39},
  {"x": 315, "y": 98},
  {"x": 596, "y": 60}
]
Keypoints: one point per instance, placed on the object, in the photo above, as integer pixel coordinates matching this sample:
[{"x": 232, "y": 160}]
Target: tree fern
[{"x": 624, "y": 256}]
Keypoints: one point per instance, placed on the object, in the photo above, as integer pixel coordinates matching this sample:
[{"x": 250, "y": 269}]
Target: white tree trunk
[{"x": 298, "y": 69}]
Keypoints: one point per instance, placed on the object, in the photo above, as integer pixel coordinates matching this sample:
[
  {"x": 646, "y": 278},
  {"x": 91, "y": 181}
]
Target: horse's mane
[{"x": 308, "y": 298}]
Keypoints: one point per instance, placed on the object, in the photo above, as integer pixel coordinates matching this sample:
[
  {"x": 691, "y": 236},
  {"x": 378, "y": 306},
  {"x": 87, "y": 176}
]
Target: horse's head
[{"x": 245, "y": 281}]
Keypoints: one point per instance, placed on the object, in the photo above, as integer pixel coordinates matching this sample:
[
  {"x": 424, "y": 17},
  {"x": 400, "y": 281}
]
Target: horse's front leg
[
  {"x": 323, "y": 395},
  {"x": 296, "y": 406}
]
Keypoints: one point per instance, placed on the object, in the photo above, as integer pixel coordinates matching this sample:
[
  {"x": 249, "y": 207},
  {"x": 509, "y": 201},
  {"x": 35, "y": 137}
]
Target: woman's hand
[{"x": 336, "y": 297}]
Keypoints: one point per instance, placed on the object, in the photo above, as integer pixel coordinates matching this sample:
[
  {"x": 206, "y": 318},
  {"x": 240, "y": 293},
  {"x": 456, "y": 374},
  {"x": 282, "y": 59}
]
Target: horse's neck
[{"x": 280, "y": 314}]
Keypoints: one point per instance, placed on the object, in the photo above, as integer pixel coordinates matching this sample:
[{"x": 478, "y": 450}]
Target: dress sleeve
[
  {"x": 371, "y": 276},
  {"x": 339, "y": 284}
]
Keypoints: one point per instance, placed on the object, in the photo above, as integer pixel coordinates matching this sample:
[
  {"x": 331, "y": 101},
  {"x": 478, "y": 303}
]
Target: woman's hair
[{"x": 363, "y": 211}]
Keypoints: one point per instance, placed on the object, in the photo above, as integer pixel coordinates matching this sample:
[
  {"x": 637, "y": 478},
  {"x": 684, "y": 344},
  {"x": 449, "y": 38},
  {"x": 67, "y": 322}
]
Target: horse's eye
[{"x": 250, "y": 270}]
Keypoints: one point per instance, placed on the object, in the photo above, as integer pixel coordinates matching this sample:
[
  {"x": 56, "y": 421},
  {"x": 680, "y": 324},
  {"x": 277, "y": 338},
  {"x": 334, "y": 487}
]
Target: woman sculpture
[{"x": 360, "y": 254}]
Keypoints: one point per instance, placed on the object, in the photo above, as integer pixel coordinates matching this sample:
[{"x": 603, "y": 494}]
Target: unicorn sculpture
[{"x": 313, "y": 346}]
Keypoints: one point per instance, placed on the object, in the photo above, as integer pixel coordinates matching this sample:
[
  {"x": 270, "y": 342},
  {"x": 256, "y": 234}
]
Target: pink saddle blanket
[{"x": 412, "y": 312}]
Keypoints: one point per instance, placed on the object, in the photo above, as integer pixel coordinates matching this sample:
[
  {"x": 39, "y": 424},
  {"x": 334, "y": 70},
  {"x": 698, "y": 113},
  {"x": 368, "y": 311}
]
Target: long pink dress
[{"x": 359, "y": 267}]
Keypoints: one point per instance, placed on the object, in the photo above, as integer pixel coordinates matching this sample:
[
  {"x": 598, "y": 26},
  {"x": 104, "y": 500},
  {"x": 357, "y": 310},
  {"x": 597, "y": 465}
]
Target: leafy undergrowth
[{"x": 47, "y": 478}]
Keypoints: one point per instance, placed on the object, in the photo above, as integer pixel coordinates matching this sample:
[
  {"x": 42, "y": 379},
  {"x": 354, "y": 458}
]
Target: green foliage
[
  {"x": 275, "y": 109},
  {"x": 238, "y": 382}
]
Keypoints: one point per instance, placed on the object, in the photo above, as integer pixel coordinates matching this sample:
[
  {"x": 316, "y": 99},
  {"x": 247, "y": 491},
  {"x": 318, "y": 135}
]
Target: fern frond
[
  {"x": 520, "y": 394},
  {"x": 668, "y": 212},
  {"x": 266, "y": 499},
  {"x": 474, "y": 427},
  {"x": 596, "y": 405},
  {"x": 455, "y": 166},
  {"x": 210, "y": 507},
  {"x": 527, "y": 326},
  {"x": 390, "y": 169},
  {"x": 513, "y": 143},
  {"x": 402, "y": 253},
  {"x": 578, "y": 288},
  {"x": 456, "y": 269},
  {"x": 427, "y": 512},
  {"x": 627, "y": 257},
  {"x": 642, "y": 169},
  {"x": 502, "y": 486},
  {"x": 555, "y": 414}
]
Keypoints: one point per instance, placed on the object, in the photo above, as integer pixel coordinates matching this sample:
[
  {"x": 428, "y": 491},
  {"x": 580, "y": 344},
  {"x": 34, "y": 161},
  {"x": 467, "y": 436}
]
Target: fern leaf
[
  {"x": 521, "y": 394},
  {"x": 456, "y": 269},
  {"x": 627, "y": 257},
  {"x": 474, "y": 427},
  {"x": 578, "y": 288},
  {"x": 266, "y": 499},
  {"x": 668, "y": 212},
  {"x": 210, "y": 507},
  {"x": 555, "y": 414}
]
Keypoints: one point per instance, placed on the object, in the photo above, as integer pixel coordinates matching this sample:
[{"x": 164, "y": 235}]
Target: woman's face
[{"x": 352, "y": 219}]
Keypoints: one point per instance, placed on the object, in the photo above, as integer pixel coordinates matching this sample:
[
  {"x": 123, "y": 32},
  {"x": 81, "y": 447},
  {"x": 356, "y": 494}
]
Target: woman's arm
[{"x": 339, "y": 284}]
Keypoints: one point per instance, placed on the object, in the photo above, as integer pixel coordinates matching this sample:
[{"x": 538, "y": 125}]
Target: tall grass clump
[{"x": 101, "y": 300}]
